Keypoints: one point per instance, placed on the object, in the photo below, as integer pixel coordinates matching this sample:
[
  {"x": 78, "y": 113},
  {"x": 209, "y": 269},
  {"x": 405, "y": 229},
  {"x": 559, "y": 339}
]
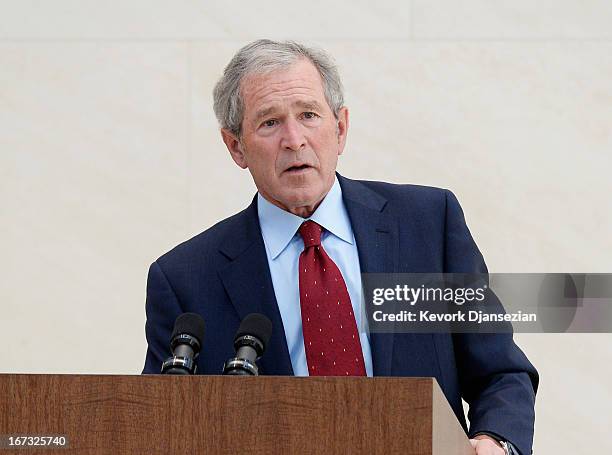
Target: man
[{"x": 297, "y": 252}]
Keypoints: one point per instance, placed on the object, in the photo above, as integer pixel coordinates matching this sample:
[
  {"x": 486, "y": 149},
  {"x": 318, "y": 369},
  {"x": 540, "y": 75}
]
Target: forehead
[{"x": 299, "y": 82}]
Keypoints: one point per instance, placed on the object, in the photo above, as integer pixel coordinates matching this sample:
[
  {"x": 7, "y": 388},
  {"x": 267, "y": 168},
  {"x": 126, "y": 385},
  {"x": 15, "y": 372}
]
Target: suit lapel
[
  {"x": 248, "y": 283},
  {"x": 377, "y": 237}
]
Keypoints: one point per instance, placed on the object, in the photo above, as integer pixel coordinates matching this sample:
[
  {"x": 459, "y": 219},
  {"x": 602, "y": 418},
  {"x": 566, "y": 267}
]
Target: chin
[{"x": 302, "y": 197}]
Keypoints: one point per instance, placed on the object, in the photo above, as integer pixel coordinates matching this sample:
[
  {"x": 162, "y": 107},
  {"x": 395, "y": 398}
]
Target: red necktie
[{"x": 331, "y": 338}]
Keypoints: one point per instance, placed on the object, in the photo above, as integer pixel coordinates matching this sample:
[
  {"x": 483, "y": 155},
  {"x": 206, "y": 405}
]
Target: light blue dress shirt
[{"x": 283, "y": 248}]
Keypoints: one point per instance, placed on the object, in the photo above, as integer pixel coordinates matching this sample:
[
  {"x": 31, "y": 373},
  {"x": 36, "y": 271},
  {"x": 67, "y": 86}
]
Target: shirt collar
[{"x": 279, "y": 226}]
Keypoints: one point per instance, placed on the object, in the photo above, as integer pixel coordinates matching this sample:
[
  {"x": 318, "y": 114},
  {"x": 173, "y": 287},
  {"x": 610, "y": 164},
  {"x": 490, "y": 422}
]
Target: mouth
[{"x": 298, "y": 169}]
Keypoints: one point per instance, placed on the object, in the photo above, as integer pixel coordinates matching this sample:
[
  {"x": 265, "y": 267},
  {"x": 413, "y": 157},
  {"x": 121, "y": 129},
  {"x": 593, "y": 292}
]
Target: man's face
[{"x": 290, "y": 139}]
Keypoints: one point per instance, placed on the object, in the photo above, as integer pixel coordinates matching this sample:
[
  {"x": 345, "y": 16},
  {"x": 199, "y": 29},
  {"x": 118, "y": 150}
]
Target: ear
[
  {"x": 234, "y": 147},
  {"x": 343, "y": 124}
]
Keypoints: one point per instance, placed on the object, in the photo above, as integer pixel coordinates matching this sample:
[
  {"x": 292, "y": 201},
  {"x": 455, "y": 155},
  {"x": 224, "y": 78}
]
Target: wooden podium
[{"x": 147, "y": 415}]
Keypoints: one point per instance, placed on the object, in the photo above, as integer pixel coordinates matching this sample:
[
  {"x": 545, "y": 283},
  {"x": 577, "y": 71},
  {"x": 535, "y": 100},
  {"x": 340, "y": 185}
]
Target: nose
[{"x": 292, "y": 136}]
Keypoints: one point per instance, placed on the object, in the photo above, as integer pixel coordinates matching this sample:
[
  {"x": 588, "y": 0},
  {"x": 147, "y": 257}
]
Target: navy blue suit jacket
[{"x": 223, "y": 275}]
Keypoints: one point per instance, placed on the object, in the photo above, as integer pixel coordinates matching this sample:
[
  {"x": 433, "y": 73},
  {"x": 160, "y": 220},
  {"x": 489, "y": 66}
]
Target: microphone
[
  {"x": 185, "y": 344},
  {"x": 250, "y": 343}
]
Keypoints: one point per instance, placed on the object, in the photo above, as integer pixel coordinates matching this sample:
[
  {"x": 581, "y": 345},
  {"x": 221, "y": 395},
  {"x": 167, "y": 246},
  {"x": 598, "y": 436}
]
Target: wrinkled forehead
[{"x": 297, "y": 83}]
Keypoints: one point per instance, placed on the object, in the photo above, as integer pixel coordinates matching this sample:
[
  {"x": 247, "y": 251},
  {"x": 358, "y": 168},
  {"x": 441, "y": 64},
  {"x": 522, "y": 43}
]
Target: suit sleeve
[
  {"x": 496, "y": 379},
  {"x": 162, "y": 308}
]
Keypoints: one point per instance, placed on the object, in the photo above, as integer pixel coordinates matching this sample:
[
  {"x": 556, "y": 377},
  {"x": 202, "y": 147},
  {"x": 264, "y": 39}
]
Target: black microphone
[
  {"x": 185, "y": 343},
  {"x": 250, "y": 343}
]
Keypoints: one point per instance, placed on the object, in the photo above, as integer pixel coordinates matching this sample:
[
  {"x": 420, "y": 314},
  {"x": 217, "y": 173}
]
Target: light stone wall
[{"x": 110, "y": 155}]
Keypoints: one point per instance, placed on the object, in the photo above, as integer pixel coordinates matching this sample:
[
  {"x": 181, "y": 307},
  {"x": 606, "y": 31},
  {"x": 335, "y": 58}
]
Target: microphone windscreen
[
  {"x": 191, "y": 324},
  {"x": 256, "y": 325}
]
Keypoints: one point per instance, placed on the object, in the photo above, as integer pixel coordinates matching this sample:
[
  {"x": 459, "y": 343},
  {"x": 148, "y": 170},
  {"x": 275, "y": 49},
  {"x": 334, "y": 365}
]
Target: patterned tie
[{"x": 330, "y": 332}]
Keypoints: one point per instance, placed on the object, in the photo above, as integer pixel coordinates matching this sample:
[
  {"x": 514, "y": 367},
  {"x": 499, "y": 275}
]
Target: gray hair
[{"x": 264, "y": 56}]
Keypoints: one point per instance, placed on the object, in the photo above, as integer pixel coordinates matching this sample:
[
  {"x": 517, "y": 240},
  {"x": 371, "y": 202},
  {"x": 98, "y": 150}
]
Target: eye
[
  {"x": 269, "y": 123},
  {"x": 309, "y": 115}
]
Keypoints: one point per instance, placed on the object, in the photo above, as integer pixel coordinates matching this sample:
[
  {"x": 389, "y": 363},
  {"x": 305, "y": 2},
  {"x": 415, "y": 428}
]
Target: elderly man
[{"x": 297, "y": 252}]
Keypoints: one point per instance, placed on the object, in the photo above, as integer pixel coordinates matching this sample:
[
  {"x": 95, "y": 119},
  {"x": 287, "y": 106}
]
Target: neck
[{"x": 303, "y": 211}]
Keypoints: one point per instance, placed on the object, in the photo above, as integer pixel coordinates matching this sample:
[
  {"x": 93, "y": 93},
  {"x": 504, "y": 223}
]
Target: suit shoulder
[
  {"x": 204, "y": 244},
  {"x": 415, "y": 194}
]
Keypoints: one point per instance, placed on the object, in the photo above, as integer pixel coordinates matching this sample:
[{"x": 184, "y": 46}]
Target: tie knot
[{"x": 311, "y": 233}]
